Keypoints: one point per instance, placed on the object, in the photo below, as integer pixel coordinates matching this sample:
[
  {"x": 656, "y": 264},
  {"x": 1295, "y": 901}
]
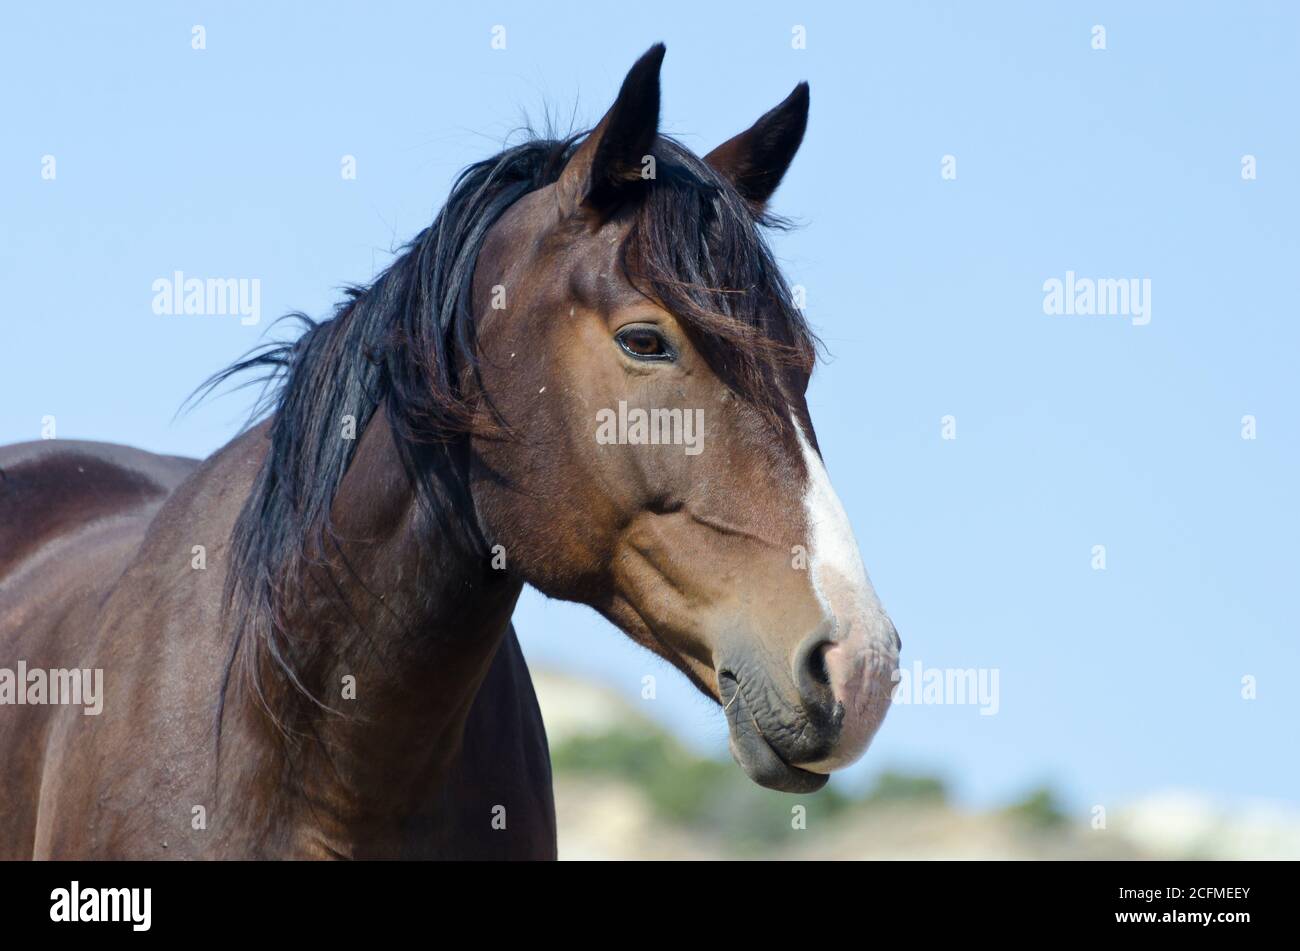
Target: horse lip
[{"x": 751, "y": 750}]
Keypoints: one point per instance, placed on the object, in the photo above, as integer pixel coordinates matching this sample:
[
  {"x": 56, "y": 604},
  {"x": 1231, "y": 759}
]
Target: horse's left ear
[
  {"x": 756, "y": 160},
  {"x": 608, "y": 165}
]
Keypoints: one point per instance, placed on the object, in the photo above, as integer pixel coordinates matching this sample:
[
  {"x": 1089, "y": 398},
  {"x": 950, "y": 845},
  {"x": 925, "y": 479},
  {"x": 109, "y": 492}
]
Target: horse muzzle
[{"x": 789, "y": 729}]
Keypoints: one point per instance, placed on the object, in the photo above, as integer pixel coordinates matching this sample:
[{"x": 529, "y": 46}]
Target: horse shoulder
[
  {"x": 71, "y": 516},
  {"x": 499, "y": 801},
  {"x": 113, "y": 785}
]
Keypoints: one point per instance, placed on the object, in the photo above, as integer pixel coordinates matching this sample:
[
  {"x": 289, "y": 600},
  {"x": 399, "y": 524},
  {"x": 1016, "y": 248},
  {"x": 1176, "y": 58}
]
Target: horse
[{"x": 305, "y": 640}]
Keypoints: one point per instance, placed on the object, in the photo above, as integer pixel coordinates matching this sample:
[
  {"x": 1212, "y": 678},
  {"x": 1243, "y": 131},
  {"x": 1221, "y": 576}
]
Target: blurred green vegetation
[
  {"x": 715, "y": 798},
  {"x": 907, "y": 787},
  {"x": 1039, "y": 808}
]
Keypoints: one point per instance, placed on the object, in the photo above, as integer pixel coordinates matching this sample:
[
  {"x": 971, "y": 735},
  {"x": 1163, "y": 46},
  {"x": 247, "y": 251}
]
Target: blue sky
[{"x": 1071, "y": 431}]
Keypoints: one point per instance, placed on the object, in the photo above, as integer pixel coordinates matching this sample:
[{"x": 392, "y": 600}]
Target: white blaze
[{"x": 865, "y": 654}]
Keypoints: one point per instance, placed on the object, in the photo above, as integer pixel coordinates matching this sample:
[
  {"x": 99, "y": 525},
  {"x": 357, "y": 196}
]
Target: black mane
[{"x": 694, "y": 246}]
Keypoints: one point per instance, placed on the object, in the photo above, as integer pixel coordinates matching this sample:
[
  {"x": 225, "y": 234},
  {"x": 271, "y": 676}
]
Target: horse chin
[
  {"x": 755, "y": 755},
  {"x": 764, "y": 766}
]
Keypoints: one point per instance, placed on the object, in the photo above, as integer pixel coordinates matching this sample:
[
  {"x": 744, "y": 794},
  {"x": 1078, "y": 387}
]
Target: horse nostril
[
  {"x": 812, "y": 676},
  {"x": 817, "y": 665}
]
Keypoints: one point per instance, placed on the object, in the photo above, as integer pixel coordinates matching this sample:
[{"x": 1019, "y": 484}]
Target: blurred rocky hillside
[{"x": 625, "y": 788}]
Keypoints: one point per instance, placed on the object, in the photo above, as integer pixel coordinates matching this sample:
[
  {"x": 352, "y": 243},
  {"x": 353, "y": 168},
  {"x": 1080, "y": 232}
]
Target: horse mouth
[{"x": 751, "y": 750}]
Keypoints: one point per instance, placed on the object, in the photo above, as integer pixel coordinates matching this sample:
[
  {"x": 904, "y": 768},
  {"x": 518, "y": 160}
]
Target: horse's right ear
[{"x": 607, "y": 168}]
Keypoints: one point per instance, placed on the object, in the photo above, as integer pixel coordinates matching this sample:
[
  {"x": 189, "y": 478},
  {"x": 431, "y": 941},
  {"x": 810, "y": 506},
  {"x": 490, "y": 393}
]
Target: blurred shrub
[
  {"x": 905, "y": 787},
  {"x": 1040, "y": 809},
  {"x": 715, "y": 797}
]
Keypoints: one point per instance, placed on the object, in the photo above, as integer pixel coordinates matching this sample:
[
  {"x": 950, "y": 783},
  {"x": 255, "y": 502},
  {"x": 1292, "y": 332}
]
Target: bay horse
[{"x": 305, "y": 640}]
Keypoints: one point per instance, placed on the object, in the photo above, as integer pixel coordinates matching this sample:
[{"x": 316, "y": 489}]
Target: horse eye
[{"x": 644, "y": 344}]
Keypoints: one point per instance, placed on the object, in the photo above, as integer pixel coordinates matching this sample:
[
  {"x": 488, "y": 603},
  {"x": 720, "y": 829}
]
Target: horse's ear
[
  {"x": 609, "y": 163},
  {"x": 756, "y": 160}
]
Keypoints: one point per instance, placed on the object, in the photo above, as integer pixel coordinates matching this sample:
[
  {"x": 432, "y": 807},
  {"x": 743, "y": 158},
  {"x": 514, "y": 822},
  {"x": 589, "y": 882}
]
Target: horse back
[{"x": 56, "y": 488}]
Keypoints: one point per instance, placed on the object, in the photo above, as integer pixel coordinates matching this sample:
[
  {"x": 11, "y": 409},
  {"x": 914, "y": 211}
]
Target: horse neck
[{"x": 404, "y": 627}]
